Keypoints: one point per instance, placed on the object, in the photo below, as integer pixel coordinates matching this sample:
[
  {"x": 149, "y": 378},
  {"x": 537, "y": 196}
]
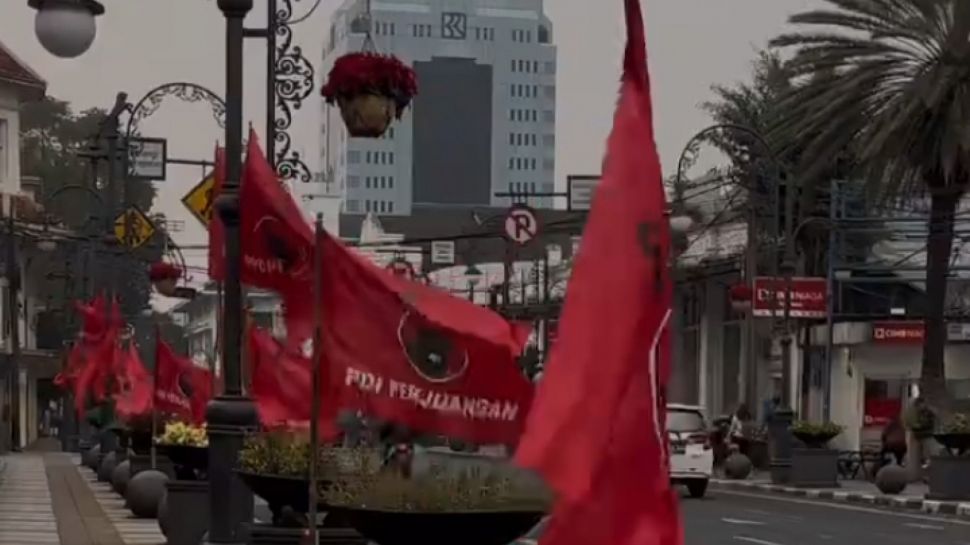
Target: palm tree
[{"x": 891, "y": 79}]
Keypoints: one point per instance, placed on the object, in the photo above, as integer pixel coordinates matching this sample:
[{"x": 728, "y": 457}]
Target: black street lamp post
[
  {"x": 780, "y": 423},
  {"x": 231, "y": 415}
]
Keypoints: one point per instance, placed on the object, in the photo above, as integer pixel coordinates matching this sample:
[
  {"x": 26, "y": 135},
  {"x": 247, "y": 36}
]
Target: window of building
[
  {"x": 549, "y": 91},
  {"x": 549, "y": 140},
  {"x": 543, "y": 35},
  {"x": 353, "y": 157},
  {"x": 421, "y": 31},
  {"x": 513, "y": 65},
  {"x": 548, "y": 164},
  {"x": 390, "y": 207},
  {"x": 511, "y": 163},
  {"x": 353, "y": 181},
  {"x": 549, "y": 116},
  {"x": 532, "y": 164},
  {"x": 390, "y": 182},
  {"x": 550, "y": 67},
  {"x": 528, "y": 36},
  {"x": 490, "y": 34},
  {"x": 535, "y": 67}
]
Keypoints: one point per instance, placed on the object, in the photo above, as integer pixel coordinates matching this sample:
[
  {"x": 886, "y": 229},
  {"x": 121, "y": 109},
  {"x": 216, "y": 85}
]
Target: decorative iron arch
[
  {"x": 182, "y": 90},
  {"x": 292, "y": 83}
]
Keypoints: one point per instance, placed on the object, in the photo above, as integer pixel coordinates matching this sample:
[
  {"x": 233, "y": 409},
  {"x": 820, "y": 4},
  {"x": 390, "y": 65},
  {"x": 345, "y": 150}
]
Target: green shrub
[{"x": 805, "y": 427}]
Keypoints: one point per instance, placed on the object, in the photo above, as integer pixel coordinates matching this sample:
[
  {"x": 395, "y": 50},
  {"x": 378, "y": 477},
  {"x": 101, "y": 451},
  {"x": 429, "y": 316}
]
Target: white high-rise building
[{"x": 484, "y": 119}]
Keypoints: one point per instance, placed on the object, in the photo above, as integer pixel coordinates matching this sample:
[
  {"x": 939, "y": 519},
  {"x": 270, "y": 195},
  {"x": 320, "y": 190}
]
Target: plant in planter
[
  {"x": 815, "y": 434},
  {"x": 955, "y": 434},
  {"x": 371, "y": 89},
  {"x": 815, "y": 465},
  {"x": 948, "y": 473},
  {"x": 275, "y": 466},
  {"x": 187, "y": 447},
  {"x": 435, "y": 508}
]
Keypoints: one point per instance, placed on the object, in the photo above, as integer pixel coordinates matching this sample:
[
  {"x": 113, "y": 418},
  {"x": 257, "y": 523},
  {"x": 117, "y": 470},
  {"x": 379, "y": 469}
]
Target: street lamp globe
[{"x": 66, "y": 28}]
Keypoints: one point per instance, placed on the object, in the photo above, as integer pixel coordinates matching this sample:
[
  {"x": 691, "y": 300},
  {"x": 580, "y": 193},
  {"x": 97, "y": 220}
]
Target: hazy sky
[{"x": 143, "y": 43}]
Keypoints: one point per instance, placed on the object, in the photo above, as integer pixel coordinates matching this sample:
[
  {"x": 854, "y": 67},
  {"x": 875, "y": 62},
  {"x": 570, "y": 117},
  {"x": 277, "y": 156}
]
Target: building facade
[{"x": 483, "y": 122}]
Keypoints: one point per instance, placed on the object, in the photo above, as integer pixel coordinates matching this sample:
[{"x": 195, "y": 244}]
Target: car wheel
[{"x": 697, "y": 488}]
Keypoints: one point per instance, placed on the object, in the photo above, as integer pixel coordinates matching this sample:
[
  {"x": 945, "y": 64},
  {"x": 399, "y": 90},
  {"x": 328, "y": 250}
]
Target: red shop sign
[
  {"x": 898, "y": 332},
  {"x": 808, "y": 297},
  {"x": 880, "y": 411}
]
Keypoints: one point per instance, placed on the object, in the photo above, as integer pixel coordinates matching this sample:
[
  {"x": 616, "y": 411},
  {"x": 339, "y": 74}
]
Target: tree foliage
[
  {"x": 890, "y": 79},
  {"x": 54, "y": 142}
]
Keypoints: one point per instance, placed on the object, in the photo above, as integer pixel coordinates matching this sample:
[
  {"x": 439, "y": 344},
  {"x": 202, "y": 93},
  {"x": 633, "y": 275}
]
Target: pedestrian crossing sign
[
  {"x": 142, "y": 228},
  {"x": 199, "y": 199}
]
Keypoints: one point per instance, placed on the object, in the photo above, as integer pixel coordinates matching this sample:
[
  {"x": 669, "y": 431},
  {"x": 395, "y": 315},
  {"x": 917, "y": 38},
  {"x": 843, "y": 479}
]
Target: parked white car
[{"x": 691, "y": 457}]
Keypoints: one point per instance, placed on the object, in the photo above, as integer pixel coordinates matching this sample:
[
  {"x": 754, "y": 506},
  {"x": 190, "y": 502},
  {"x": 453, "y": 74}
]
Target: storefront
[{"x": 875, "y": 371}]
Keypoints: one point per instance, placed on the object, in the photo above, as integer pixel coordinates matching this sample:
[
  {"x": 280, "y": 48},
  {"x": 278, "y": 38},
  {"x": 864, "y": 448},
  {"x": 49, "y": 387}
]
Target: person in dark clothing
[{"x": 893, "y": 442}]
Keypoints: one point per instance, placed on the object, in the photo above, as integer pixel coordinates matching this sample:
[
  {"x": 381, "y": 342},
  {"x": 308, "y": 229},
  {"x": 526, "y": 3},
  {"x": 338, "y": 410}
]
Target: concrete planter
[
  {"x": 183, "y": 513},
  {"x": 949, "y": 478},
  {"x": 259, "y": 534},
  {"x": 815, "y": 468}
]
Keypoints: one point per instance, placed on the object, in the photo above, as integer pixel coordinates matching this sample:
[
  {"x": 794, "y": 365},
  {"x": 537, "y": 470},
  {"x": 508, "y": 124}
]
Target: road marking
[
  {"x": 743, "y": 522},
  {"x": 844, "y": 507},
  {"x": 924, "y": 526},
  {"x": 754, "y": 540}
]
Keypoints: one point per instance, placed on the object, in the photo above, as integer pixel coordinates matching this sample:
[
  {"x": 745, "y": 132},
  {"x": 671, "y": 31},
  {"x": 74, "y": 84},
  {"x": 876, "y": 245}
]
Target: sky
[{"x": 692, "y": 45}]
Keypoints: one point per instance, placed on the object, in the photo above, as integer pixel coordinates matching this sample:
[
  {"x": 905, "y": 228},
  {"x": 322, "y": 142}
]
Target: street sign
[
  {"x": 521, "y": 224},
  {"x": 808, "y": 297},
  {"x": 443, "y": 252},
  {"x": 580, "y": 191},
  {"x": 148, "y": 158},
  {"x": 199, "y": 199},
  {"x": 142, "y": 229}
]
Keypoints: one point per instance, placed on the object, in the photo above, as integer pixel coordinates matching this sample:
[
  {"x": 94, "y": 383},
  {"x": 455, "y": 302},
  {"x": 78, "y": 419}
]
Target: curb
[{"x": 960, "y": 509}]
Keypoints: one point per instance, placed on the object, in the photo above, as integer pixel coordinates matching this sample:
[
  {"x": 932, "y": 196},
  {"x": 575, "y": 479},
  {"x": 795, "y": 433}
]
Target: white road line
[
  {"x": 743, "y": 522},
  {"x": 844, "y": 507},
  {"x": 754, "y": 540},
  {"x": 924, "y": 526}
]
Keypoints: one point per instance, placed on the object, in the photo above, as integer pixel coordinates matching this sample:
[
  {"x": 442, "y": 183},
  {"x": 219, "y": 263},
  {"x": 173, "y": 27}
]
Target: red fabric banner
[
  {"x": 281, "y": 382},
  {"x": 217, "y": 240},
  {"x": 597, "y": 428},
  {"x": 182, "y": 388},
  {"x": 417, "y": 356},
  {"x": 98, "y": 343},
  {"x": 134, "y": 396}
]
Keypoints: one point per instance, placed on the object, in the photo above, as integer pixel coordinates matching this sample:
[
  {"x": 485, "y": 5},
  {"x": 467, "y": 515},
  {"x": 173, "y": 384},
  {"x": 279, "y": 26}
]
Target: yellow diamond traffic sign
[
  {"x": 142, "y": 228},
  {"x": 199, "y": 199}
]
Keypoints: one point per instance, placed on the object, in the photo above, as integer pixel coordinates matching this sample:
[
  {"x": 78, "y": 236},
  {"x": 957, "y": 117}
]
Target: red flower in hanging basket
[
  {"x": 741, "y": 296},
  {"x": 161, "y": 270},
  {"x": 371, "y": 90},
  {"x": 165, "y": 277},
  {"x": 741, "y": 292}
]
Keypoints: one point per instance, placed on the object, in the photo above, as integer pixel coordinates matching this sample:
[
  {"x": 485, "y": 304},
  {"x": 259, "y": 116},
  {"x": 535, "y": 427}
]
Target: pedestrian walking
[
  {"x": 893, "y": 441},
  {"x": 736, "y": 433}
]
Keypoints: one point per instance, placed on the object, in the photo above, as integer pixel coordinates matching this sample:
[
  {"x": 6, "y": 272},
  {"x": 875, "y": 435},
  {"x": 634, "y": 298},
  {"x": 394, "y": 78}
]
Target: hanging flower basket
[
  {"x": 371, "y": 90},
  {"x": 741, "y": 296},
  {"x": 164, "y": 276}
]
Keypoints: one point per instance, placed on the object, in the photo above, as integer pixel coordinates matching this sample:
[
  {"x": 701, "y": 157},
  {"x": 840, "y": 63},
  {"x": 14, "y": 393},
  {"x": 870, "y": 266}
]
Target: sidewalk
[
  {"x": 26, "y": 514},
  {"x": 851, "y": 491}
]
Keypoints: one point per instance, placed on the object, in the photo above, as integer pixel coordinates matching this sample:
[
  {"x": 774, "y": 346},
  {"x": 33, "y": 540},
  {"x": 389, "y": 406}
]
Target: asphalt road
[
  {"x": 737, "y": 518},
  {"x": 729, "y": 518}
]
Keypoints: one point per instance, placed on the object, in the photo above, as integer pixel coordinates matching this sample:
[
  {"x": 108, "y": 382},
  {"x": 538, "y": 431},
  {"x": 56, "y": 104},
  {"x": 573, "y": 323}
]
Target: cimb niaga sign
[{"x": 808, "y": 297}]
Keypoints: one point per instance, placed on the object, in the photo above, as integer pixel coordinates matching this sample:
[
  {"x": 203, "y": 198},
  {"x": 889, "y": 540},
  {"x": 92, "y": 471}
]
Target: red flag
[
  {"x": 415, "y": 355},
  {"x": 135, "y": 385},
  {"x": 100, "y": 341},
  {"x": 217, "y": 240},
  {"x": 597, "y": 430},
  {"x": 277, "y": 242},
  {"x": 281, "y": 381},
  {"x": 181, "y": 387}
]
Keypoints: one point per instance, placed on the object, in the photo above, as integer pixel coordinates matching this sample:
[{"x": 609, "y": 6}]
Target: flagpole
[{"x": 315, "y": 388}]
